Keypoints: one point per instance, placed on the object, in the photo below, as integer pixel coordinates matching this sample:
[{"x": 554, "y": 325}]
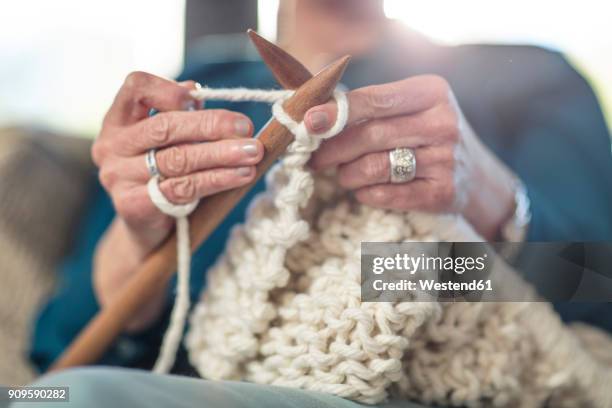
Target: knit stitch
[{"x": 282, "y": 307}]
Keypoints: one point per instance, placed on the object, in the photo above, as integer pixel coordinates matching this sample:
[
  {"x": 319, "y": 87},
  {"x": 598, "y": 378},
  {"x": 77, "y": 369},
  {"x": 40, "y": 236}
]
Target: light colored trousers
[{"x": 116, "y": 387}]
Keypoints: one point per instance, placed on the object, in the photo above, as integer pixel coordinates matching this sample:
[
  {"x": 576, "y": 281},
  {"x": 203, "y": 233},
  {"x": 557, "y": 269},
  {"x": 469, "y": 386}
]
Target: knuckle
[
  {"x": 136, "y": 79},
  {"x": 216, "y": 180},
  {"x": 387, "y": 98},
  {"x": 209, "y": 121},
  {"x": 98, "y": 152},
  {"x": 107, "y": 177},
  {"x": 374, "y": 167},
  {"x": 181, "y": 189},
  {"x": 174, "y": 160},
  {"x": 376, "y": 132},
  {"x": 371, "y": 132},
  {"x": 159, "y": 128},
  {"x": 440, "y": 86}
]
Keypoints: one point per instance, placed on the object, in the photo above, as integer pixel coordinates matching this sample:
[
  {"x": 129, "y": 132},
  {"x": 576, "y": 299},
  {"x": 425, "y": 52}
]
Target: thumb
[{"x": 321, "y": 118}]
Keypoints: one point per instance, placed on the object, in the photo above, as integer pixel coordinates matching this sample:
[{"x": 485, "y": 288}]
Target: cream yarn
[
  {"x": 173, "y": 335},
  {"x": 282, "y": 307}
]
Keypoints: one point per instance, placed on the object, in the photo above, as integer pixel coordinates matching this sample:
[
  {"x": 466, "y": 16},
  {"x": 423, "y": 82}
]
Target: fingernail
[
  {"x": 318, "y": 120},
  {"x": 242, "y": 127},
  {"x": 190, "y": 84},
  {"x": 244, "y": 171},
  {"x": 250, "y": 149}
]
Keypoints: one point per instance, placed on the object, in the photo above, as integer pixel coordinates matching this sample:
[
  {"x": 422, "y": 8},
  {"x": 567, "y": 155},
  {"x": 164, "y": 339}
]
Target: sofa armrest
[{"x": 44, "y": 180}]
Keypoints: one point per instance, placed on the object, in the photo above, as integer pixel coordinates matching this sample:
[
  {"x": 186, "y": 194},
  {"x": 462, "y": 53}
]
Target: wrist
[
  {"x": 117, "y": 257},
  {"x": 491, "y": 202}
]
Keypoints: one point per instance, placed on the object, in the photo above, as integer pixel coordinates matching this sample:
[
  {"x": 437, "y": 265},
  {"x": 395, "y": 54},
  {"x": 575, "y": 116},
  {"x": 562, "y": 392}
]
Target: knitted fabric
[
  {"x": 282, "y": 307},
  {"x": 174, "y": 333}
]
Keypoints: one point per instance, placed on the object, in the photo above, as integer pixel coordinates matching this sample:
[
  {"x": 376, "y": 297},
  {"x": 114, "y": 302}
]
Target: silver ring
[
  {"x": 152, "y": 163},
  {"x": 403, "y": 165}
]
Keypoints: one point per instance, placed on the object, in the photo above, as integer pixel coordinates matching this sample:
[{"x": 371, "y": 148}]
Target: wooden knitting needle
[
  {"x": 153, "y": 275},
  {"x": 288, "y": 71}
]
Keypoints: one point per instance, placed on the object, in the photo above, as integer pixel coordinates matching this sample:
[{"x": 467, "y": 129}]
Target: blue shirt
[{"x": 527, "y": 104}]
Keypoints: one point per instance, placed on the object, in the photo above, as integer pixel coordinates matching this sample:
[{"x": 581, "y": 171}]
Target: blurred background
[{"x": 62, "y": 61}]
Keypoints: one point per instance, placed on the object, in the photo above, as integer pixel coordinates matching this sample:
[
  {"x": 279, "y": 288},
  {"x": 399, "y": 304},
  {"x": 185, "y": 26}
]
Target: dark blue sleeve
[
  {"x": 562, "y": 152},
  {"x": 563, "y": 155}
]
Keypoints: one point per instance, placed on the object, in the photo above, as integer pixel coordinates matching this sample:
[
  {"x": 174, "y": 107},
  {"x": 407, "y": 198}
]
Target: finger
[
  {"x": 432, "y": 127},
  {"x": 415, "y": 195},
  {"x": 186, "y": 159},
  {"x": 142, "y": 92},
  {"x": 408, "y": 96},
  {"x": 182, "y": 190},
  {"x": 172, "y": 128},
  {"x": 375, "y": 168}
]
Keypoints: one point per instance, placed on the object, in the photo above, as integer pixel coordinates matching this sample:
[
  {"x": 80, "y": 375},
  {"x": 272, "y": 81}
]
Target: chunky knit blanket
[{"x": 282, "y": 307}]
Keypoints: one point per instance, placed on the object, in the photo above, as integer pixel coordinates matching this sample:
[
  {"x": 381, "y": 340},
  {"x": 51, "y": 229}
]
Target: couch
[{"x": 44, "y": 180}]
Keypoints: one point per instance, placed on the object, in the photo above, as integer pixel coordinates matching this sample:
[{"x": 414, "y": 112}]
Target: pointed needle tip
[{"x": 335, "y": 70}]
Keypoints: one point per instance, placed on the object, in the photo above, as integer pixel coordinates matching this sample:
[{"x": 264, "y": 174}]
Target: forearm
[{"x": 116, "y": 259}]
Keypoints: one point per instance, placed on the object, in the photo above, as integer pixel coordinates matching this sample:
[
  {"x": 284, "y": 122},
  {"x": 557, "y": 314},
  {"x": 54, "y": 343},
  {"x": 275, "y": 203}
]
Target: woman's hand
[
  {"x": 455, "y": 172},
  {"x": 199, "y": 153},
  {"x": 191, "y": 170}
]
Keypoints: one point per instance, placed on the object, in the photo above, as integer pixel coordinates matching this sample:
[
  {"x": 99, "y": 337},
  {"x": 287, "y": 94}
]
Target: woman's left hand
[{"x": 455, "y": 172}]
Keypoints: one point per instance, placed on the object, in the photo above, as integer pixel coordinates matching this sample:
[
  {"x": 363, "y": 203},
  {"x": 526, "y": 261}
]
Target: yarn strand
[
  {"x": 241, "y": 94},
  {"x": 180, "y": 310}
]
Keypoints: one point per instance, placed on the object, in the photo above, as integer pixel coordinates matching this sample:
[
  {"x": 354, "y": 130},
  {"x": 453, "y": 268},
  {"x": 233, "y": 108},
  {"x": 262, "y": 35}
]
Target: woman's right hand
[{"x": 199, "y": 153}]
